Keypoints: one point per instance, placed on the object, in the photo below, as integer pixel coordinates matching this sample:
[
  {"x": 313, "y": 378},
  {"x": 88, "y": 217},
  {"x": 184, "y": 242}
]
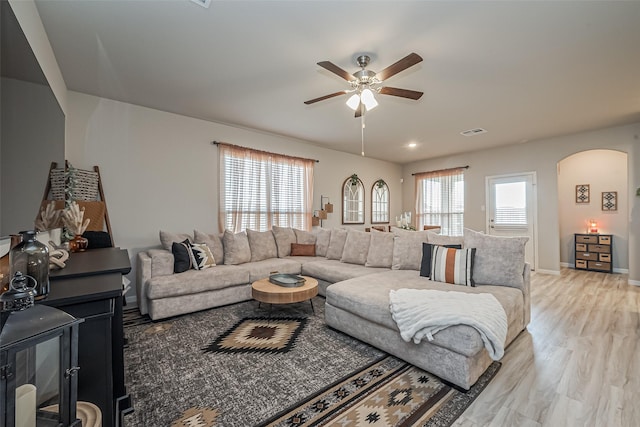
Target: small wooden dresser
[{"x": 593, "y": 252}]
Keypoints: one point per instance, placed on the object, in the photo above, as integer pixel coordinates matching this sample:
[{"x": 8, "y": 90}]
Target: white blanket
[{"x": 422, "y": 313}]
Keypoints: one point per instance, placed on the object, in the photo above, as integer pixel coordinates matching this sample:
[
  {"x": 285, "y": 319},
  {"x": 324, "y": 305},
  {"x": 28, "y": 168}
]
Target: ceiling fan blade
[
  {"x": 403, "y": 93},
  {"x": 330, "y": 66},
  {"x": 358, "y": 111},
  {"x": 406, "y": 62},
  {"x": 322, "y": 98}
]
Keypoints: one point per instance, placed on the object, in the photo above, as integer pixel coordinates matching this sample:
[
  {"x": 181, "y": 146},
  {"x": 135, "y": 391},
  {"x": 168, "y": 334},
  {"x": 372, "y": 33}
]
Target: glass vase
[{"x": 31, "y": 258}]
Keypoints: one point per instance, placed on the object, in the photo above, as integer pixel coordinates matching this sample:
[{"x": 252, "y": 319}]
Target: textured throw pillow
[
  {"x": 380, "y": 250},
  {"x": 302, "y": 249},
  {"x": 322, "y": 240},
  {"x": 336, "y": 243},
  {"x": 236, "y": 248},
  {"x": 305, "y": 237},
  {"x": 167, "y": 238},
  {"x": 407, "y": 250},
  {"x": 181, "y": 256},
  {"x": 356, "y": 247},
  {"x": 499, "y": 260},
  {"x": 284, "y": 236},
  {"x": 425, "y": 265},
  {"x": 213, "y": 241},
  {"x": 453, "y": 266},
  {"x": 201, "y": 256},
  {"x": 262, "y": 245}
]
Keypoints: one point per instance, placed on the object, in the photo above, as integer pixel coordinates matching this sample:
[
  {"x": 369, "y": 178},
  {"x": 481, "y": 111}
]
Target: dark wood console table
[{"x": 90, "y": 287}]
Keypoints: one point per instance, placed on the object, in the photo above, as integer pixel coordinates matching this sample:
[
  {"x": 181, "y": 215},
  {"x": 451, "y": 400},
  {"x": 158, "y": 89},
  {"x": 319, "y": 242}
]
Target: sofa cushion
[
  {"x": 499, "y": 260},
  {"x": 407, "y": 249},
  {"x": 161, "y": 262},
  {"x": 454, "y": 266},
  {"x": 262, "y": 245},
  {"x": 356, "y": 247},
  {"x": 336, "y": 243},
  {"x": 284, "y": 236},
  {"x": 261, "y": 269},
  {"x": 333, "y": 271},
  {"x": 167, "y": 238},
  {"x": 301, "y": 249},
  {"x": 213, "y": 241},
  {"x": 305, "y": 237},
  {"x": 380, "y": 250},
  {"x": 368, "y": 297},
  {"x": 236, "y": 248},
  {"x": 195, "y": 281},
  {"x": 444, "y": 240},
  {"x": 322, "y": 240}
]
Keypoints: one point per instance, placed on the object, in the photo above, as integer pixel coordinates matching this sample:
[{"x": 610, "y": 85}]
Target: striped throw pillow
[{"x": 453, "y": 266}]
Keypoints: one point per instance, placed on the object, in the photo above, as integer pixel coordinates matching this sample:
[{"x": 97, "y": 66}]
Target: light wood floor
[{"x": 578, "y": 363}]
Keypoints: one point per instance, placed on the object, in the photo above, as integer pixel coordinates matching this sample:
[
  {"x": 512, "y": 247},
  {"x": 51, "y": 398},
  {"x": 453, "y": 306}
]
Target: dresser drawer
[
  {"x": 581, "y": 238},
  {"x": 580, "y": 263},
  {"x": 604, "y": 240},
  {"x": 601, "y": 266},
  {"x": 599, "y": 248},
  {"x": 581, "y": 247},
  {"x": 604, "y": 257},
  {"x": 591, "y": 256}
]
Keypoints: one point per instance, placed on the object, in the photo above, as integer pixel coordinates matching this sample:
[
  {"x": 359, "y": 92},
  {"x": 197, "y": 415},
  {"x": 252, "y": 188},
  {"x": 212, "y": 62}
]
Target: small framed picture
[
  {"x": 582, "y": 193},
  {"x": 609, "y": 200}
]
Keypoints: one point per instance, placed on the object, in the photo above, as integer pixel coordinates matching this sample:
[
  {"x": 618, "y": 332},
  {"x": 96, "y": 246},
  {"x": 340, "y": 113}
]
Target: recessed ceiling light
[
  {"x": 472, "y": 132},
  {"x": 203, "y": 3},
  {"x": 412, "y": 145}
]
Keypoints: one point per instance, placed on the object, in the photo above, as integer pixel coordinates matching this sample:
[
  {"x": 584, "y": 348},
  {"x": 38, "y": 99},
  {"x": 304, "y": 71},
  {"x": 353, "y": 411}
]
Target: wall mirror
[
  {"x": 353, "y": 201},
  {"x": 380, "y": 202}
]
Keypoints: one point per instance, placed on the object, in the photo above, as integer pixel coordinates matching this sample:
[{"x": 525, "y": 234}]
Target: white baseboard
[
  {"x": 634, "y": 282},
  {"x": 552, "y": 272},
  {"x": 131, "y": 301},
  {"x": 567, "y": 265},
  {"x": 621, "y": 270}
]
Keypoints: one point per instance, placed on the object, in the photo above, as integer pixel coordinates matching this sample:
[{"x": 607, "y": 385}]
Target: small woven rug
[
  {"x": 387, "y": 393},
  {"x": 259, "y": 335}
]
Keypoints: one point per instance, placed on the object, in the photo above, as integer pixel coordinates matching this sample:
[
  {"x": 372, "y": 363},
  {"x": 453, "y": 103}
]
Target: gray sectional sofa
[{"x": 356, "y": 271}]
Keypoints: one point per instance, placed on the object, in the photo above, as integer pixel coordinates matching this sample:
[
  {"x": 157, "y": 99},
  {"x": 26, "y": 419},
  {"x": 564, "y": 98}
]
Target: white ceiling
[{"x": 522, "y": 70}]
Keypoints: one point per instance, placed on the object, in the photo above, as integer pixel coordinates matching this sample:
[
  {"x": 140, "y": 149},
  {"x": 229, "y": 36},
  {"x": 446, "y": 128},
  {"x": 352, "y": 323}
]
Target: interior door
[{"x": 511, "y": 201}]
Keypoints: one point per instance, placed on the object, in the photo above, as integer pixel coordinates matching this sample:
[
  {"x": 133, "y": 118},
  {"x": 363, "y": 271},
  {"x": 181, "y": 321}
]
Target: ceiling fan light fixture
[
  {"x": 353, "y": 101},
  {"x": 368, "y": 99}
]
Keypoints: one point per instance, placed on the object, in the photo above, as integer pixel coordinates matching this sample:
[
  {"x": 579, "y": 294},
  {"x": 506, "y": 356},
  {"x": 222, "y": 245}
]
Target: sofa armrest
[
  {"x": 526, "y": 290},
  {"x": 143, "y": 274}
]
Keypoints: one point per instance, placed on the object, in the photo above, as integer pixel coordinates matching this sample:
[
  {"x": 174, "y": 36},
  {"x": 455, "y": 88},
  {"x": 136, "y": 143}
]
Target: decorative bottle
[{"x": 31, "y": 258}]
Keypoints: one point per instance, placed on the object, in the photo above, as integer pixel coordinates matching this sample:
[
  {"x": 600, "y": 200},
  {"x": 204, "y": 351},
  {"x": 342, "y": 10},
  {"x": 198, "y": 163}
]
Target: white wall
[
  {"x": 160, "y": 170},
  {"x": 603, "y": 170},
  {"x": 542, "y": 157}
]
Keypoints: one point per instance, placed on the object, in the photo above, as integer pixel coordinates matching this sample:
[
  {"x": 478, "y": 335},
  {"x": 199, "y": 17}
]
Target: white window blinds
[
  {"x": 440, "y": 200},
  {"x": 260, "y": 189}
]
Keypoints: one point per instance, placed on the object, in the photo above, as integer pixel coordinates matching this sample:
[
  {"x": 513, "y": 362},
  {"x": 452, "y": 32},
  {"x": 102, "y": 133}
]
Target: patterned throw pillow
[
  {"x": 427, "y": 249},
  {"x": 453, "y": 266},
  {"x": 201, "y": 256}
]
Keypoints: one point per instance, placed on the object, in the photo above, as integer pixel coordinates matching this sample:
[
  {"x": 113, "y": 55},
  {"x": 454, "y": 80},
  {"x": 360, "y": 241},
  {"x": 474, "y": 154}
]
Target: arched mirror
[
  {"x": 380, "y": 202},
  {"x": 353, "y": 201}
]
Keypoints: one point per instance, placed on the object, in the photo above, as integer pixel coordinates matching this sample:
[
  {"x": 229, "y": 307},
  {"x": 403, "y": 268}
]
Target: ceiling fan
[{"x": 365, "y": 82}]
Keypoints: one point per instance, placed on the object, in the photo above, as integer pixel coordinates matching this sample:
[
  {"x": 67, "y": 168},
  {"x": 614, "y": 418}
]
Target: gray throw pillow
[
  {"x": 356, "y": 247},
  {"x": 284, "y": 237},
  {"x": 407, "y": 250},
  {"x": 213, "y": 241},
  {"x": 262, "y": 245},
  {"x": 236, "y": 248},
  {"x": 305, "y": 237},
  {"x": 322, "y": 240},
  {"x": 442, "y": 240},
  {"x": 499, "y": 260},
  {"x": 336, "y": 243},
  {"x": 380, "y": 250},
  {"x": 167, "y": 238}
]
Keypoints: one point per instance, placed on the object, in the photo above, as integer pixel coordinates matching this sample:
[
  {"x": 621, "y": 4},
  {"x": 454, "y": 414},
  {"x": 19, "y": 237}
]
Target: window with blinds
[
  {"x": 440, "y": 201},
  {"x": 259, "y": 190}
]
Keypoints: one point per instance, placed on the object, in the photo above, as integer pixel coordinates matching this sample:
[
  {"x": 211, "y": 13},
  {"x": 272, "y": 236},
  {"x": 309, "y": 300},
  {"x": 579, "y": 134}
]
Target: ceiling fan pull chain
[{"x": 362, "y": 134}]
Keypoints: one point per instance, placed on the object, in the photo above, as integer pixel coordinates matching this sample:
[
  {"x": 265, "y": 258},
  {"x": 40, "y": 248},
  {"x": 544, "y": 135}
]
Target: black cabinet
[{"x": 90, "y": 287}]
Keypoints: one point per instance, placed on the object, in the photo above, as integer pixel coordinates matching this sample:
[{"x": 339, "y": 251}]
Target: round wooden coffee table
[{"x": 264, "y": 291}]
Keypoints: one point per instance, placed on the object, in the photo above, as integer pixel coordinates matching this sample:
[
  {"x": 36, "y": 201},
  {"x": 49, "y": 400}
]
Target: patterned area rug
[
  {"x": 388, "y": 393},
  {"x": 173, "y": 382},
  {"x": 260, "y": 335}
]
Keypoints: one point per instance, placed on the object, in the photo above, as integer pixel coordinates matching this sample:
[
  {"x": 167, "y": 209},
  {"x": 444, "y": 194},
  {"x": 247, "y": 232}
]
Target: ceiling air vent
[
  {"x": 472, "y": 132},
  {"x": 203, "y": 3}
]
